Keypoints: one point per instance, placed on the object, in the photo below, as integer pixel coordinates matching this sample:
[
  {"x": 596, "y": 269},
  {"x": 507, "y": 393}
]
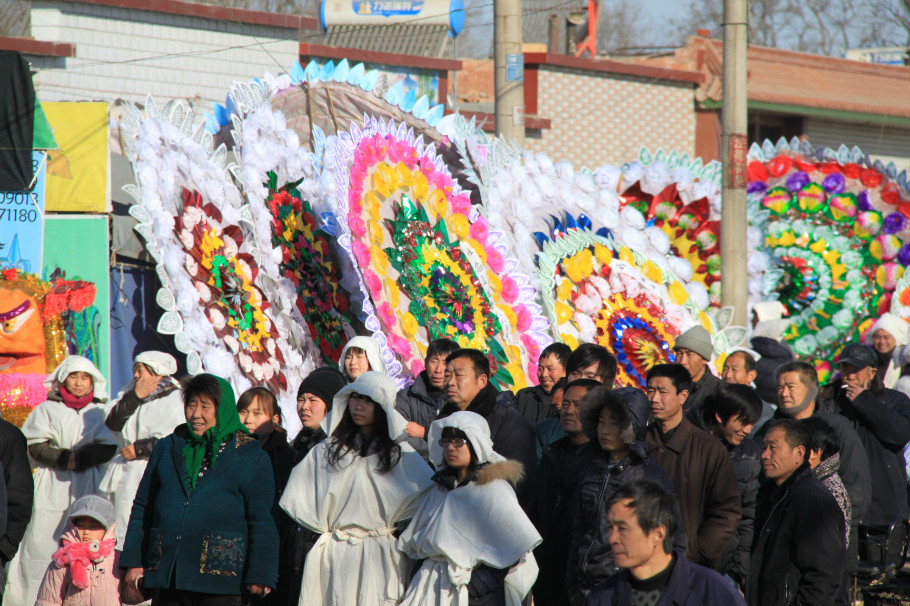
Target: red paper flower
[
  {"x": 10, "y": 274},
  {"x": 780, "y": 165}
]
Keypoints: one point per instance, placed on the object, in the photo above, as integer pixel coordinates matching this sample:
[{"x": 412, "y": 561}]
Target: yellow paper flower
[
  {"x": 409, "y": 325},
  {"x": 652, "y": 272},
  {"x": 437, "y": 203},
  {"x": 603, "y": 254},
  {"x": 513, "y": 318},
  {"x": 678, "y": 293},
  {"x": 563, "y": 312},
  {"x": 459, "y": 225},
  {"x": 495, "y": 282},
  {"x": 564, "y": 289}
]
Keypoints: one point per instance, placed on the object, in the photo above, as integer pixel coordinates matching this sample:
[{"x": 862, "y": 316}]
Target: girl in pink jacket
[{"x": 85, "y": 571}]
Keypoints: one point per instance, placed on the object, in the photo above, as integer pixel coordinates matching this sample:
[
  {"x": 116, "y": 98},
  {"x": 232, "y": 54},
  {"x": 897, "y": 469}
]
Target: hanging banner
[
  {"x": 77, "y": 248},
  {"x": 78, "y": 173},
  {"x": 22, "y": 222}
]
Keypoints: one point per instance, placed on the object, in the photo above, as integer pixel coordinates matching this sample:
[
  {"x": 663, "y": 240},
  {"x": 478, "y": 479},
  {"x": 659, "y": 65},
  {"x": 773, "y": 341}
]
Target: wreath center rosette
[
  {"x": 598, "y": 291},
  {"x": 428, "y": 265}
]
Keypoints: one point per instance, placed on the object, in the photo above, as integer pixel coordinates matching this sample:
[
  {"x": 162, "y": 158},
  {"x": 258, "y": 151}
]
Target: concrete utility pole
[
  {"x": 509, "y": 64},
  {"x": 733, "y": 246}
]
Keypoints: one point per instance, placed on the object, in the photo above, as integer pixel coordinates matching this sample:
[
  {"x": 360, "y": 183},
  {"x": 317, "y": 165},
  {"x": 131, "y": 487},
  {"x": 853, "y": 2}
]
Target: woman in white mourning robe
[
  {"x": 472, "y": 535},
  {"x": 353, "y": 488}
]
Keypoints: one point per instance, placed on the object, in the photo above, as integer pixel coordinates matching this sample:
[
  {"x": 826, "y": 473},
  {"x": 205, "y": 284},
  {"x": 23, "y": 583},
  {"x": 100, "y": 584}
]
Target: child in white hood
[
  {"x": 472, "y": 535},
  {"x": 352, "y": 489}
]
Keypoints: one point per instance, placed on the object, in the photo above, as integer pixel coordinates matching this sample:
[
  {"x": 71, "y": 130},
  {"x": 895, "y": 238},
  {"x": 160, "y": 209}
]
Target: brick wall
[
  {"x": 603, "y": 118},
  {"x": 128, "y": 53}
]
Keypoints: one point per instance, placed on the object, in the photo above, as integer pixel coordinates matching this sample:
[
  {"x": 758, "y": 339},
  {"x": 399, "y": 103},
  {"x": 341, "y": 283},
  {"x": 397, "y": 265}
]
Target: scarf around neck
[
  {"x": 227, "y": 421},
  {"x": 73, "y": 402}
]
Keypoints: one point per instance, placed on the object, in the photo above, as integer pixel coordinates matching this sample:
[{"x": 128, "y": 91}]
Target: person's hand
[
  {"x": 415, "y": 430},
  {"x": 852, "y": 390},
  {"x": 257, "y": 589},
  {"x": 146, "y": 384},
  {"x": 71, "y": 464},
  {"x": 132, "y": 577},
  {"x": 129, "y": 453}
]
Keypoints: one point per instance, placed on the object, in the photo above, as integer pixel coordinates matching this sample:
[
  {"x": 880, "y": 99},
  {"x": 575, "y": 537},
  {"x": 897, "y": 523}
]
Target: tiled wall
[
  {"x": 129, "y": 53},
  {"x": 602, "y": 118}
]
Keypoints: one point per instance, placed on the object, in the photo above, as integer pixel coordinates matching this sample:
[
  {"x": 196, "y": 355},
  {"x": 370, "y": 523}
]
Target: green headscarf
[{"x": 227, "y": 421}]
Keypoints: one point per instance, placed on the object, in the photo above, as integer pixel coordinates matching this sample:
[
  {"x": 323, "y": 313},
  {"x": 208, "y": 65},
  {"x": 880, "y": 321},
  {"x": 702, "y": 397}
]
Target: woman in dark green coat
[{"x": 201, "y": 529}]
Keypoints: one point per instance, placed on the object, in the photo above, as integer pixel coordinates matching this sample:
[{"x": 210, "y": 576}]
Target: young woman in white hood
[
  {"x": 147, "y": 409},
  {"x": 353, "y": 488},
  {"x": 69, "y": 445},
  {"x": 472, "y": 535},
  {"x": 359, "y": 355}
]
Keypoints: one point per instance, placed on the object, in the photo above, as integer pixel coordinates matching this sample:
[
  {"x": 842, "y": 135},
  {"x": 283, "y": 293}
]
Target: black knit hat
[{"x": 324, "y": 383}]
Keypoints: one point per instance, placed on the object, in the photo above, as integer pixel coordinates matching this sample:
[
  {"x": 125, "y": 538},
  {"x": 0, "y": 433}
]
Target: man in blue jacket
[{"x": 643, "y": 520}]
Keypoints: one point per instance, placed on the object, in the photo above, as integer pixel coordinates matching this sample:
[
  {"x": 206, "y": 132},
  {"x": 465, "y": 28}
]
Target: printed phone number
[{"x": 19, "y": 215}]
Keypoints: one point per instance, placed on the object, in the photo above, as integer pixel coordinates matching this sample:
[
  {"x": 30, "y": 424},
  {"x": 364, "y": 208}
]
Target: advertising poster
[{"x": 22, "y": 222}]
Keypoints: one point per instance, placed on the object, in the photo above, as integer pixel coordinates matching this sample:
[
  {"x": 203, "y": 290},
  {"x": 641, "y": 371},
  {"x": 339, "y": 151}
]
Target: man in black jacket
[
  {"x": 556, "y": 498},
  {"x": 798, "y": 398},
  {"x": 20, "y": 490},
  {"x": 467, "y": 386},
  {"x": 421, "y": 401},
  {"x": 729, "y": 416},
  {"x": 798, "y": 554},
  {"x": 881, "y": 419}
]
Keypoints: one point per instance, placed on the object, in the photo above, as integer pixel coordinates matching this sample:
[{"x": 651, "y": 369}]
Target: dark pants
[{"x": 177, "y": 597}]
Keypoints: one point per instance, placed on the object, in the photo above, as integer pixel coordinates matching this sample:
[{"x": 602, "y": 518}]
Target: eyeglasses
[{"x": 456, "y": 442}]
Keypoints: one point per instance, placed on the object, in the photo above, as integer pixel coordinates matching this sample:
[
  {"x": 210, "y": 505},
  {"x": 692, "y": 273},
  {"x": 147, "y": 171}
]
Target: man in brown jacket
[{"x": 698, "y": 464}]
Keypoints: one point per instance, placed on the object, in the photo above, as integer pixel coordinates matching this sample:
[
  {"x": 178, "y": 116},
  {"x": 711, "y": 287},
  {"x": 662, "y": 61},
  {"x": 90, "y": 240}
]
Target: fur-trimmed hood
[{"x": 510, "y": 471}]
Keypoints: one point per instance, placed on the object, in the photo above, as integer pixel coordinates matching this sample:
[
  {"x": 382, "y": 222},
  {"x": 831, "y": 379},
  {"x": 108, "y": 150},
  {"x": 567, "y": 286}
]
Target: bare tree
[
  {"x": 619, "y": 27},
  {"x": 827, "y": 27},
  {"x": 894, "y": 16}
]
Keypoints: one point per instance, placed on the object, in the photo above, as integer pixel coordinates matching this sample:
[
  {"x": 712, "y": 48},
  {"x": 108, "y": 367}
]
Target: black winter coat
[
  {"x": 418, "y": 403},
  {"x": 533, "y": 404},
  {"x": 512, "y": 436},
  {"x": 590, "y": 557},
  {"x": 798, "y": 553},
  {"x": 854, "y": 463},
  {"x": 689, "y": 585},
  {"x": 746, "y": 459},
  {"x": 20, "y": 488},
  {"x": 283, "y": 458},
  {"x": 556, "y": 501},
  {"x": 882, "y": 422}
]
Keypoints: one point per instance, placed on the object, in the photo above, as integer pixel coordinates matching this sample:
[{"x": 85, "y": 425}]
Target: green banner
[{"x": 76, "y": 247}]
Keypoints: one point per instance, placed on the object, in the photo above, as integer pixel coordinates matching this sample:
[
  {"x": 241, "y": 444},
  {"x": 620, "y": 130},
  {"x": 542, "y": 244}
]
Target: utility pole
[
  {"x": 734, "y": 147},
  {"x": 509, "y": 67}
]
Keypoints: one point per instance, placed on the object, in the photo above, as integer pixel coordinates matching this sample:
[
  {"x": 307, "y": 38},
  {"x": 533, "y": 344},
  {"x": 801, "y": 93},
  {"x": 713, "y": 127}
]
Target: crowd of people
[{"x": 758, "y": 486}]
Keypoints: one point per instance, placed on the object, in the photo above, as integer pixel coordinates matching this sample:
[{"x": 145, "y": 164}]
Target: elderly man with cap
[
  {"x": 694, "y": 351},
  {"x": 889, "y": 338},
  {"x": 881, "y": 418}
]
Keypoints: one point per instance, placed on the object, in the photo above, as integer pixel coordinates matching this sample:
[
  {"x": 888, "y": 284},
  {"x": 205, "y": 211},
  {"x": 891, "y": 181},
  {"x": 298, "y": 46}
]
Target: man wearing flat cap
[
  {"x": 694, "y": 351},
  {"x": 881, "y": 418}
]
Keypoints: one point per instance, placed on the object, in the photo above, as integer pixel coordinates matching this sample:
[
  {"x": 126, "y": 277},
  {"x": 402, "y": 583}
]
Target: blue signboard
[
  {"x": 387, "y": 8},
  {"x": 22, "y": 222},
  {"x": 515, "y": 67}
]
